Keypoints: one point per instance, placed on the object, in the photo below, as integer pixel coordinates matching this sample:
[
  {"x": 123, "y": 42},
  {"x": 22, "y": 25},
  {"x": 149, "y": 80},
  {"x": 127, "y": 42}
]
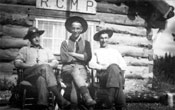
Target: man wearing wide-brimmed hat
[
  {"x": 38, "y": 64},
  {"x": 110, "y": 68},
  {"x": 76, "y": 54}
]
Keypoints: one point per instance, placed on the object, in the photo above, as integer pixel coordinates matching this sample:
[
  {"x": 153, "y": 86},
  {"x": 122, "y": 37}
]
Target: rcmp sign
[{"x": 85, "y": 6}]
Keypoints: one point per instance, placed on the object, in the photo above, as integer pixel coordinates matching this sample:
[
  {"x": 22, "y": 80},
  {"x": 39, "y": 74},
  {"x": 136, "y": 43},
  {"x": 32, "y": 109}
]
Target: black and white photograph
[{"x": 87, "y": 54}]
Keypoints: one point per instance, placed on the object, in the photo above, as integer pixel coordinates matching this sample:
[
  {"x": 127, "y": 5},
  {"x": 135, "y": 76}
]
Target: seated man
[
  {"x": 110, "y": 68},
  {"x": 38, "y": 64},
  {"x": 75, "y": 55}
]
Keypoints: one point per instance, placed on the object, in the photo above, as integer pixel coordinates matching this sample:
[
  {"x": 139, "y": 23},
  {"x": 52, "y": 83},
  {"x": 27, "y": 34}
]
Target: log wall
[
  {"x": 129, "y": 35},
  {"x": 13, "y": 26}
]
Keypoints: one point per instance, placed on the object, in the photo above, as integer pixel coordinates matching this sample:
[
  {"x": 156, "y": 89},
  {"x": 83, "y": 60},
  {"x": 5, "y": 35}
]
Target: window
[{"x": 55, "y": 33}]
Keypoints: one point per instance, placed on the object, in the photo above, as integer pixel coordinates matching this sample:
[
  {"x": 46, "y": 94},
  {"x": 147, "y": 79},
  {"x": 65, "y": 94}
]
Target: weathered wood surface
[
  {"x": 112, "y": 8},
  {"x": 115, "y": 19},
  {"x": 129, "y": 40},
  {"x": 15, "y": 30},
  {"x": 15, "y": 9},
  {"x": 10, "y": 42},
  {"x": 134, "y": 31},
  {"x": 15, "y": 19},
  {"x": 132, "y": 51},
  {"x": 138, "y": 72},
  {"x": 131, "y": 61},
  {"x": 106, "y": 17},
  {"x": 8, "y": 54},
  {"x": 27, "y": 2},
  {"x": 6, "y": 67}
]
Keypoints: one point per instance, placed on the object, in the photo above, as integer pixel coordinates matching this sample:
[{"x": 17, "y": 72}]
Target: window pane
[
  {"x": 59, "y": 31},
  {"x": 47, "y": 27},
  {"x": 57, "y": 45}
]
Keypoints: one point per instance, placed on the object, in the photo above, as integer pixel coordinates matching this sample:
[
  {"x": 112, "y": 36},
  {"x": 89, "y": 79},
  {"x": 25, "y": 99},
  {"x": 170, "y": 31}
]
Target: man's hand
[{"x": 20, "y": 64}]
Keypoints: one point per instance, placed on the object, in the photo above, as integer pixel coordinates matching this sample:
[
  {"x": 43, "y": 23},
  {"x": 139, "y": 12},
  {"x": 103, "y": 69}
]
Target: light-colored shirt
[
  {"x": 107, "y": 56},
  {"x": 32, "y": 56}
]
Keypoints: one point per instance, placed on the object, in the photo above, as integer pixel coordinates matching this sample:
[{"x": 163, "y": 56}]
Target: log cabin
[{"x": 131, "y": 20}]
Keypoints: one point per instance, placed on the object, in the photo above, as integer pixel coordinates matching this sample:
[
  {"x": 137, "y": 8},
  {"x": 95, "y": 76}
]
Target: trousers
[
  {"x": 77, "y": 72},
  {"x": 112, "y": 80},
  {"x": 41, "y": 77}
]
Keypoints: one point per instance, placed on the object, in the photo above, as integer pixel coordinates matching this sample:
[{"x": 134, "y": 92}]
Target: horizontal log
[
  {"x": 15, "y": 19},
  {"x": 132, "y": 51},
  {"x": 112, "y": 8},
  {"x": 15, "y": 9},
  {"x": 6, "y": 43},
  {"x": 7, "y": 67},
  {"x": 134, "y": 31},
  {"x": 131, "y": 61},
  {"x": 138, "y": 72},
  {"x": 8, "y": 54},
  {"x": 114, "y": 19},
  {"x": 129, "y": 40},
  {"x": 8, "y": 37},
  {"x": 27, "y": 2},
  {"x": 34, "y": 12},
  {"x": 137, "y": 76},
  {"x": 15, "y": 31},
  {"x": 9, "y": 1}
]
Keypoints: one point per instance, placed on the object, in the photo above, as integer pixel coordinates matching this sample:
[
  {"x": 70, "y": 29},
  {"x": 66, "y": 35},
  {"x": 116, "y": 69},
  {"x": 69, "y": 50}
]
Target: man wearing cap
[
  {"x": 76, "y": 54},
  {"x": 110, "y": 68},
  {"x": 38, "y": 64}
]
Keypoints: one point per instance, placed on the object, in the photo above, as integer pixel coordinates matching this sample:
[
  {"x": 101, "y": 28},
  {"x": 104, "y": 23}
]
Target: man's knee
[
  {"x": 114, "y": 66},
  {"x": 41, "y": 80},
  {"x": 46, "y": 69}
]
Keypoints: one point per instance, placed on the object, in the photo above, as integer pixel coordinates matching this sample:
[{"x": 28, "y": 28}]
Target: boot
[
  {"x": 62, "y": 102},
  {"x": 88, "y": 99},
  {"x": 85, "y": 93}
]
